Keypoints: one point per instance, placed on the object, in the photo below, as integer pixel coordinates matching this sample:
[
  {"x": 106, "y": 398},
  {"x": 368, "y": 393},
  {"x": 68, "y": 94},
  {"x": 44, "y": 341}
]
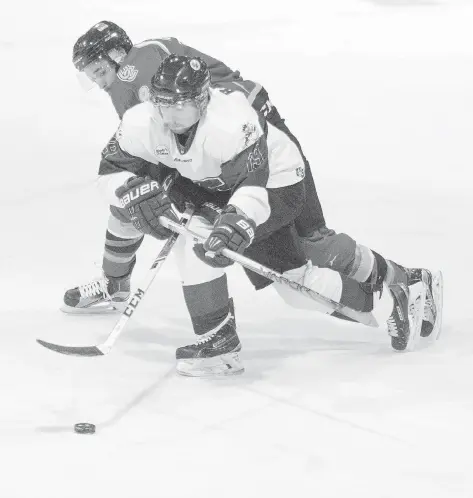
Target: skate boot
[
  {"x": 432, "y": 319},
  {"x": 405, "y": 322},
  {"x": 103, "y": 295},
  {"x": 213, "y": 354}
]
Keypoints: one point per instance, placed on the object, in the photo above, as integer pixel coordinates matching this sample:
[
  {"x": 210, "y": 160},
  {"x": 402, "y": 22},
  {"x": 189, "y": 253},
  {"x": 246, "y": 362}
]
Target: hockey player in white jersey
[
  {"x": 107, "y": 56},
  {"x": 192, "y": 134}
]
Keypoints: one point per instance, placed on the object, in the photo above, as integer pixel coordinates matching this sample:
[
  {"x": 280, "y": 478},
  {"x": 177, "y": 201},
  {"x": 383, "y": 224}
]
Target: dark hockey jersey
[{"x": 133, "y": 80}]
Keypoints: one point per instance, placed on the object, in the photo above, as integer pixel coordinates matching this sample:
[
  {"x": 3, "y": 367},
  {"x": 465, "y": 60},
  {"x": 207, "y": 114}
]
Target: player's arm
[
  {"x": 248, "y": 171},
  {"x": 116, "y": 167},
  {"x": 249, "y": 193}
]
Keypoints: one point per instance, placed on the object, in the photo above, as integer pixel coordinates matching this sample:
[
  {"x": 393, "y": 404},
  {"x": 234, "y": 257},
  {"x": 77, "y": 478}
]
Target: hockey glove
[
  {"x": 232, "y": 231},
  {"x": 146, "y": 200},
  {"x": 209, "y": 211}
]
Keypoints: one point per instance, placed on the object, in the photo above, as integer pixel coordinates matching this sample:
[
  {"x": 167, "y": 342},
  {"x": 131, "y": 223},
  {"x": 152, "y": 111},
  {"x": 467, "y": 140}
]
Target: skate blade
[
  {"x": 416, "y": 314},
  {"x": 437, "y": 291},
  {"x": 98, "y": 309},
  {"x": 218, "y": 366}
]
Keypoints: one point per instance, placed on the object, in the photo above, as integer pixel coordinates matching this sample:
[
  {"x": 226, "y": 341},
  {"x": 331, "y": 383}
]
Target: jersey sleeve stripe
[
  {"x": 153, "y": 42},
  {"x": 252, "y": 96}
]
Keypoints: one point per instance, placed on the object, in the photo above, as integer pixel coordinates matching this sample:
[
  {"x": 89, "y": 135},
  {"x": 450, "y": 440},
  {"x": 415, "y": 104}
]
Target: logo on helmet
[
  {"x": 101, "y": 26},
  {"x": 194, "y": 64},
  {"x": 127, "y": 73}
]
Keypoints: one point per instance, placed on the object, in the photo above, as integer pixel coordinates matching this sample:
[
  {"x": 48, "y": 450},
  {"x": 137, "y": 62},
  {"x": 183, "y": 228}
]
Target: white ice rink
[{"x": 380, "y": 94}]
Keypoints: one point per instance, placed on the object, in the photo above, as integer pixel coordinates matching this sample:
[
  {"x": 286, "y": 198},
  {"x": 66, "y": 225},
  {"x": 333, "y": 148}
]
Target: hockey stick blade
[{"x": 72, "y": 350}]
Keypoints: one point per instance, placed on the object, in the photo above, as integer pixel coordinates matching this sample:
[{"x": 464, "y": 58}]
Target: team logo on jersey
[
  {"x": 111, "y": 148},
  {"x": 255, "y": 159},
  {"x": 143, "y": 93},
  {"x": 300, "y": 171},
  {"x": 249, "y": 132},
  {"x": 161, "y": 150},
  {"x": 194, "y": 64},
  {"x": 127, "y": 73}
]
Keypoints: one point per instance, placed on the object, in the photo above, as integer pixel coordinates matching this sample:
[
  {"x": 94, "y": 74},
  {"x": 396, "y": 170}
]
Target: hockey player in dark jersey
[
  {"x": 190, "y": 134},
  {"x": 107, "y": 57}
]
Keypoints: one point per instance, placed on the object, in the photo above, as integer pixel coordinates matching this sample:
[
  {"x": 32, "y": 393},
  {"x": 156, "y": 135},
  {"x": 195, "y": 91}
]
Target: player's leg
[
  {"x": 211, "y": 311},
  {"x": 110, "y": 292},
  {"x": 341, "y": 253},
  {"x": 370, "y": 276}
]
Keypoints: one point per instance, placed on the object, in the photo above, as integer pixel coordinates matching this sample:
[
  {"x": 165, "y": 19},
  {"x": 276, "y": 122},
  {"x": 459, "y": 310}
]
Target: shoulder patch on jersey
[
  {"x": 161, "y": 150},
  {"x": 143, "y": 93},
  {"x": 249, "y": 132},
  {"x": 127, "y": 73}
]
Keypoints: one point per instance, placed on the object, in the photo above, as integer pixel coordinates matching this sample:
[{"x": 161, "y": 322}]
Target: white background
[{"x": 380, "y": 94}]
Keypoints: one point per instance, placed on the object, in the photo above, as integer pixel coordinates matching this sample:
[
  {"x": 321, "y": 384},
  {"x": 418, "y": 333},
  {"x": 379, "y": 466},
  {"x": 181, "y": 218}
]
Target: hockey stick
[
  {"x": 359, "y": 316},
  {"x": 105, "y": 347}
]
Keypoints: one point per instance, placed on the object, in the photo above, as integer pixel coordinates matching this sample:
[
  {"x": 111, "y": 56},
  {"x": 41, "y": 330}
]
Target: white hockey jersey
[{"x": 233, "y": 149}]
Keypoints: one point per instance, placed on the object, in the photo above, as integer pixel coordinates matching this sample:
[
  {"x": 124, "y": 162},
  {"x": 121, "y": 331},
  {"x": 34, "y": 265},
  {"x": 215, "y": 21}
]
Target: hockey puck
[{"x": 84, "y": 428}]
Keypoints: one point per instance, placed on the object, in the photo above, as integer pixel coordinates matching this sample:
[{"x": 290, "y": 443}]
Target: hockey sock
[
  {"x": 208, "y": 304},
  {"x": 363, "y": 264},
  {"x": 395, "y": 274},
  {"x": 119, "y": 255},
  {"x": 377, "y": 276}
]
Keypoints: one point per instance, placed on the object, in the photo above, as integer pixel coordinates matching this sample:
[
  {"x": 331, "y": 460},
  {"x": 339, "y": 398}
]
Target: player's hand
[
  {"x": 146, "y": 200},
  {"x": 232, "y": 231},
  {"x": 209, "y": 211}
]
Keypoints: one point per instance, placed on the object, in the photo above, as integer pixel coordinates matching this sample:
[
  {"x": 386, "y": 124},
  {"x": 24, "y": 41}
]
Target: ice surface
[{"x": 381, "y": 97}]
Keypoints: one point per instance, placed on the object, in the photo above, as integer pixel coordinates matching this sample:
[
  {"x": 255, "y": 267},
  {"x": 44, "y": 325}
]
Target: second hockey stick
[
  {"x": 359, "y": 316},
  {"x": 105, "y": 347}
]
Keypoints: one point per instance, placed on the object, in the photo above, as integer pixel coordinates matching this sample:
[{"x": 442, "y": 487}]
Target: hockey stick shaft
[
  {"x": 106, "y": 346},
  {"x": 359, "y": 316},
  {"x": 141, "y": 291}
]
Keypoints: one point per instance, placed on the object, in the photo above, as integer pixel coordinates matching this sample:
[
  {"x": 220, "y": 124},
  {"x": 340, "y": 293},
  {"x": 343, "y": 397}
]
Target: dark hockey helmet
[
  {"x": 97, "y": 43},
  {"x": 180, "y": 78}
]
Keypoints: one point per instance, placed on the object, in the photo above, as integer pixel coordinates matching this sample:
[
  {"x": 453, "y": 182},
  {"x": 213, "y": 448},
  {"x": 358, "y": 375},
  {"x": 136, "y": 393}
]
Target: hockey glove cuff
[{"x": 231, "y": 230}]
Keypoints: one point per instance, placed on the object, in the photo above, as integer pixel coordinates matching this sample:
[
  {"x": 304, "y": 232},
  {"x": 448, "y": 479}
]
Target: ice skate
[
  {"x": 432, "y": 319},
  {"x": 213, "y": 354},
  {"x": 405, "y": 322},
  {"x": 103, "y": 295}
]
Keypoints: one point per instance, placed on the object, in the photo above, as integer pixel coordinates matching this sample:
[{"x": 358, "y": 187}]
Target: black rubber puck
[{"x": 84, "y": 428}]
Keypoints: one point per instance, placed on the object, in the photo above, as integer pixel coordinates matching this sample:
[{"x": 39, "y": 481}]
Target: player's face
[
  {"x": 101, "y": 73},
  {"x": 179, "y": 117}
]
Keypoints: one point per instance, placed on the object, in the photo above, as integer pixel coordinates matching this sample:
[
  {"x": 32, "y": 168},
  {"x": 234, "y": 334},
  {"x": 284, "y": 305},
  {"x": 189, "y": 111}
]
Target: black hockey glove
[
  {"x": 146, "y": 200},
  {"x": 231, "y": 231}
]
